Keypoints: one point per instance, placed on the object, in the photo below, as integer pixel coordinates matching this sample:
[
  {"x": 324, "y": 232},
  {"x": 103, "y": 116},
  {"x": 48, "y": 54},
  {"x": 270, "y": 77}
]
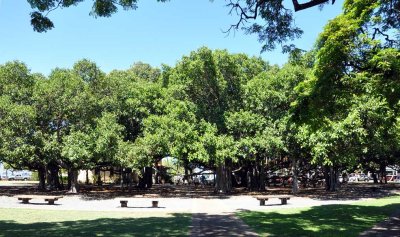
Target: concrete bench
[
  {"x": 284, "y": 199},
  {"x": 124, "y": 203},
  {"x": 262, "y": 199},
  {"x": 49, "y": 199}
]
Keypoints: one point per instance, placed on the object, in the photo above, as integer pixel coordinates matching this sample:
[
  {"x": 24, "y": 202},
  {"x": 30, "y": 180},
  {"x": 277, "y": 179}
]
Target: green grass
[
  {"x": 329, "y": 220},
  {"x": 29, "y": 222}
]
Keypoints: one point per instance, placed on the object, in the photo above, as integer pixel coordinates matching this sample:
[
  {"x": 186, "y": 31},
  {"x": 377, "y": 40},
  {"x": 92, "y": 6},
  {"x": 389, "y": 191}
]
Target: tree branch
[
  {"x": 387, "y": 37},
  {"x": 244, "y": 12},
  {"x": 58, "y": 5},
  {"x": 301, "y": 6}
]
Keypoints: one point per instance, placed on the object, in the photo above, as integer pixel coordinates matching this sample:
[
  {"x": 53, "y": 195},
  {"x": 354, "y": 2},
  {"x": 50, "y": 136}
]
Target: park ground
[{"x": 194, "y": 211}]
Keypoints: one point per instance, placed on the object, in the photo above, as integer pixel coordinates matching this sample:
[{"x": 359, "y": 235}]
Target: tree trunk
[
  {"x": 224, "y": 178},
  {"x": 187, "y": 176},
  {"x": 98, "y": 176},
  {"x": 243, "y": 177},
  {"x": 60, "y": 178},
  {"x": 295, "y": 182},
  {"x": 87, "y": 177},
  {"x": 121, "y": 177},
  {"x": 374, "y": 177},
  {"x": 129, "y": 177},
  {"x": 382, "y": 169},
  {"x": 148, "y": 177},
  {"x": 248, "y": 178},
  {"x": 262, "y": 175},
  {"x": 337, "y": 182},
  {"x": 53, "y": 179},
  {"x": 42, "y": 178},
  {"x": 73, "y": 177},
  {"x": 255, "y": 179},
  {"x": 331, "y": 178}
]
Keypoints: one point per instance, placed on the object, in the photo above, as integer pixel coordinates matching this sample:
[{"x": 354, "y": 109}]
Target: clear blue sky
[{"x": 155, "y": 33}]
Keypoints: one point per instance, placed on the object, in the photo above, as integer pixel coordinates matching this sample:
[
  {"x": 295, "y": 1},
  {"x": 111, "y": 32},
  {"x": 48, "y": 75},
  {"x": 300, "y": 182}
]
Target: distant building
[{"x": 394, "y": 170}]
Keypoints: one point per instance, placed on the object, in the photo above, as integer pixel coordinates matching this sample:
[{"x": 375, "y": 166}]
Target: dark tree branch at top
[
  {"x": 377, "y": 31},
  {"x": 250, "y": 11},
  {"x": 50, "y": 10},
  {"x": 244, "y": 13},
  {"x": 301, "y": 6}
]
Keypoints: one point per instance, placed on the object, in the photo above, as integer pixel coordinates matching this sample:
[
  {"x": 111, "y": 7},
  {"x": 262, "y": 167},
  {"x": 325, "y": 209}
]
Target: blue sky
[{"x": 155, "y": 33}]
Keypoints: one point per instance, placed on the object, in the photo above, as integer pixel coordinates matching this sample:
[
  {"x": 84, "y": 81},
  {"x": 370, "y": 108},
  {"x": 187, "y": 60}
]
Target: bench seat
[
  {"x": 283, "y": 199},
  {"x": 49, "y": 199},
  {"x": 124, "y": 203}
]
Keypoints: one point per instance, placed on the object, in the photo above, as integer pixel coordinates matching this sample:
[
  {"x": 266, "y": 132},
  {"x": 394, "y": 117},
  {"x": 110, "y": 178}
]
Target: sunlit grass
[{"x": 328, "y": 220}]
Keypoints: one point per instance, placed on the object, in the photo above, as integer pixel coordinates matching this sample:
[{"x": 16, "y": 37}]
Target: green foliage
[
  {"x": 17, "y": 115},
  {"x": 277, "y": 23},
  {"x": 78, "y": 149},
  {"x": 145, "y": 72},
  {"x": 16, "y": 82},
  {"x": 16, "y": 137},
  {"x": 337, "y": 105},
  {"x": 107, "y": 136},
  {"x": 88, "y": 71},
  {"x": 64, "y": 107},
  {"x": 41, "y": 23},
  {"x": 347, "y": 108}
]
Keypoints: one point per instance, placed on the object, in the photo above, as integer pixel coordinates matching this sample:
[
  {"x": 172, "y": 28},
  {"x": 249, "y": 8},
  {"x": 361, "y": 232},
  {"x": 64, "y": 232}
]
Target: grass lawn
[
  {"x": 328, "y": 220},
  {"x": 32, "y": 222}
]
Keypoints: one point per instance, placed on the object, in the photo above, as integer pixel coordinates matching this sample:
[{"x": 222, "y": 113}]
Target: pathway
[
  {"x": 215, "y": 217},
  {"x": 387, "y": 228},
  {"x": 204, "y": 225}
]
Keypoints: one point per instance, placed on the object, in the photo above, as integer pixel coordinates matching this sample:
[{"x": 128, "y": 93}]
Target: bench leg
[
  {"x": 262, "y": 202},
  {"x": 25, "y": 201},
  {"x": 154, "y": 203},
  {"x": 51, "y": 202},
  {"x": 124, "y": 204},
  {"x": 283, "y": 201}
]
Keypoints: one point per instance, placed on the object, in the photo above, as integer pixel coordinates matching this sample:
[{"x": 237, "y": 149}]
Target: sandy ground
[
  {"x": 169, "y": 205},
  {"x": 140, "y": 203}
]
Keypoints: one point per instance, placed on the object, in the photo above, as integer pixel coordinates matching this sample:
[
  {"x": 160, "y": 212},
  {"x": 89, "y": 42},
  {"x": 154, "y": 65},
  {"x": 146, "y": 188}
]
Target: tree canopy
[{"x": 331, "y": 110}]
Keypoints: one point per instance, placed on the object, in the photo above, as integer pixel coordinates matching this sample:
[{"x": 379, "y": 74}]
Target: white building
[{"x": 394, "y": 170}]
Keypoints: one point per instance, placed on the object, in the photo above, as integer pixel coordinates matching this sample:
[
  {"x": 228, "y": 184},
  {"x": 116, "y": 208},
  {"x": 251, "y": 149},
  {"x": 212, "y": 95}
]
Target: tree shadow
[
  {"x": 327, "y": 220},
  {"x": 177, "y": 225},
  {"x": 353, "y": 191},
  {"x": 350, "y": 191},
  {"x": 34, "y": 203},
  {"x": 162, "y": 191}
]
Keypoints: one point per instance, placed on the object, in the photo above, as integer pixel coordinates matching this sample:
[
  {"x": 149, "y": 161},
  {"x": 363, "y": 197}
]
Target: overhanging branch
[{"x": 301, "y": 6}]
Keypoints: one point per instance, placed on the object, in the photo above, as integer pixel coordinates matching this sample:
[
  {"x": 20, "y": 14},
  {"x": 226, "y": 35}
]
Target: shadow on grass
[
  {"x": 328, "y": 220},
  {"x": 178, "y": 225}
]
